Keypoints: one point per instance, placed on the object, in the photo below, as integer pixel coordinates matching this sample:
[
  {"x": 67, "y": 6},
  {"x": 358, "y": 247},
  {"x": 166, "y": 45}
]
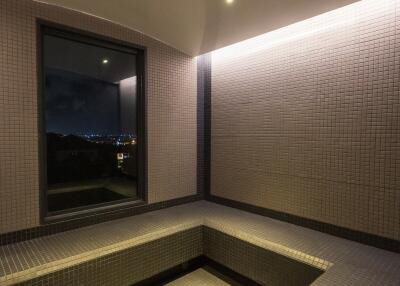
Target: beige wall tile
[
  {"x": 171, "y": 95},
  {"x": 310, "y": 125}
]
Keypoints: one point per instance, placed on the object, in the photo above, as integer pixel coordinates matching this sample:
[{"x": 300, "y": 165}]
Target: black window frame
[{"x": 49, "y": 28}]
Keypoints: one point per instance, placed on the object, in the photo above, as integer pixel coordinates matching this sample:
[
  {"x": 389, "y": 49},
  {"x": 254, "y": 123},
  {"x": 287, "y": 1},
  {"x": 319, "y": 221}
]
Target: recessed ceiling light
[
  {"x": 229, "y": 1},
  {"x": 105, "y": 61}
]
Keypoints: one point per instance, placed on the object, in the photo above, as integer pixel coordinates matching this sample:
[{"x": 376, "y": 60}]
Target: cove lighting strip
[{"x": 341, "y": 17}]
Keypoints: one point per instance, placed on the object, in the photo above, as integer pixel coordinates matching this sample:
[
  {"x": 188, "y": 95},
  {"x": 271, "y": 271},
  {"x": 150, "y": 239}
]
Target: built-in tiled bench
[{"x": 125, "y": 251}]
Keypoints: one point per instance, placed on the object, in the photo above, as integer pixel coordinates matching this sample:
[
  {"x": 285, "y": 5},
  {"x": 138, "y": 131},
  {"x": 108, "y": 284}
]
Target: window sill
[{"x": 90, "y": 212}]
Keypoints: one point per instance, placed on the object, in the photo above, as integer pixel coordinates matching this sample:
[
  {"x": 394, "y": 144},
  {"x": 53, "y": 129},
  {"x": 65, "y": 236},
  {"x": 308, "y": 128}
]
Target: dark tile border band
[
  {"x": 204, "y": 68},
  {"x": 173, "y": 273},
  {"x": 124, "y": 266},
  {"x": 226, "y": 274},
  {"x": 57, "y": 227},
  {"x": 184, "y": 252},
  {"x": 203, "y": 123},
  {"x": 354, "y": 235},
  {"x": 211, "y": 266},
  {"x": 203, "y": 175},
  {"x": 265, "y": 266},
  {"x": 203, "y": 171}
]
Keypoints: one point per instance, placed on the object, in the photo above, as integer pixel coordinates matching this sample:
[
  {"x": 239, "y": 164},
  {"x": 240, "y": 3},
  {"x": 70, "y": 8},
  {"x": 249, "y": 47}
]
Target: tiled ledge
[{"x": 345, "y": 262}]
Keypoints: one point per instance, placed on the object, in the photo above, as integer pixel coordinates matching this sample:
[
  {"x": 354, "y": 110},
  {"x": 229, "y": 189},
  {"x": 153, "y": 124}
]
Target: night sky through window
[
  {"x": 90, "y": 110},
  {"x": 89, "y": 89},
  {"x": 78, "y": 104}
]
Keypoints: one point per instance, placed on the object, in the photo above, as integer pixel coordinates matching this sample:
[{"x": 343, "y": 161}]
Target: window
[{"x": 92, "y": 122}]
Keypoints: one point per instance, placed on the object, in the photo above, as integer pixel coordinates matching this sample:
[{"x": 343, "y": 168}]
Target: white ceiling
[{"x": 199, "y": 26}]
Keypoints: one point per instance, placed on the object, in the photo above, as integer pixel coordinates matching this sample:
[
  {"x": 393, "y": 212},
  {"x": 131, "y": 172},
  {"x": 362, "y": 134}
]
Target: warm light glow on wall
[{"x": 342, "y": 17}]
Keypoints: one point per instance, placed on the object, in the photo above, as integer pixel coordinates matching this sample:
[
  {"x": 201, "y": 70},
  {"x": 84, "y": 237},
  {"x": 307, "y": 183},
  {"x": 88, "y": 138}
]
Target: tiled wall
[
  {"x": 306, "y": 120},
  {"x": 171, "y": 110}
]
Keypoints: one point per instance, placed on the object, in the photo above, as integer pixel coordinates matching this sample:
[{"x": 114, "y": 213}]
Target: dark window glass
[{"x": 91, "y": 112}]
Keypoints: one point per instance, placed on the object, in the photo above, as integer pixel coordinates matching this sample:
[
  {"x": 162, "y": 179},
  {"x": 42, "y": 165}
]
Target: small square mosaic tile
[
  {"x": 171, "y": 110},
  {"x": 307, "y": 122},
  {"x": 83, "y": 252}
]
